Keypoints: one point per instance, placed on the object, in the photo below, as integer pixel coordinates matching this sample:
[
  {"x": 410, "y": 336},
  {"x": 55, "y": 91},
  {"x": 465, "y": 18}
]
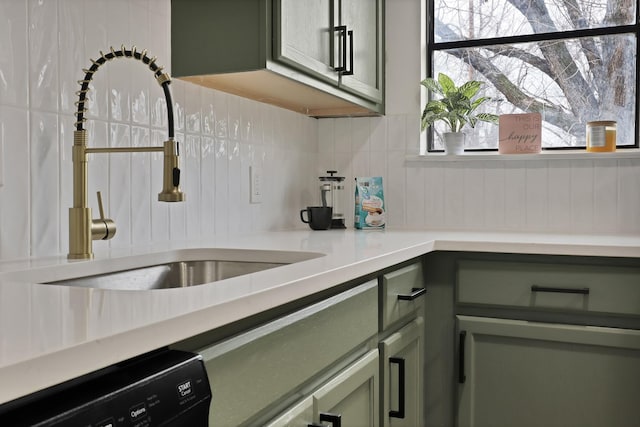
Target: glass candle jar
[{"x": 601, "y": 136}]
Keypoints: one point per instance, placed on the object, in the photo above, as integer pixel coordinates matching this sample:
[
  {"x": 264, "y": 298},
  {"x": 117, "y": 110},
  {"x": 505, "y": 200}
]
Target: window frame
[{"x": 432, "y": 46}]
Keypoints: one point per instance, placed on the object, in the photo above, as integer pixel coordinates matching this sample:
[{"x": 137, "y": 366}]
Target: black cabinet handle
[
  {"x": 342, "y": 30},
  {"x": 349, "y": 72},
  {"x": 401, "y": 388},
  {"x": 415, "y": 293},
  {"x": 583, "y": 291},
  {"x": 461, "y": 376},
  {"x": 334, "y": 419},
  {"x": 344, "y": 34}
]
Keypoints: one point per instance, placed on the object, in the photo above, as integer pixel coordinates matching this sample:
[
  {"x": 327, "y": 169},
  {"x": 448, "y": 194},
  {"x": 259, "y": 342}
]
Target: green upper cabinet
[
  {"x": 363, "y": 21},
  {"x": 317, "y": 57},
  {"x": 339, "y": 41},
  {"x": 304, "y": 39}
]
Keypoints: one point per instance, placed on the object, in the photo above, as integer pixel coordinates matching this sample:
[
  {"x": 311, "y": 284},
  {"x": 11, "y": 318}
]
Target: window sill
[{"x": 632, "y": 153}]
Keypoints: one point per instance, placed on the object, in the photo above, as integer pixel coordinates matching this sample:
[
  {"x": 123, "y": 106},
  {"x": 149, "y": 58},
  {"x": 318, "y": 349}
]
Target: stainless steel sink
[
  {"x": 178, "y": 274},
  {"x": 172, "y": 269}
]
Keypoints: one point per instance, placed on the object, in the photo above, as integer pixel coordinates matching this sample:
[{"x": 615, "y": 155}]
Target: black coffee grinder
[{"x": 332, "y": 192}]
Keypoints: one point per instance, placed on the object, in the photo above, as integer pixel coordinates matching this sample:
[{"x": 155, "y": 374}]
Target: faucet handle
[
  {"x": 103, "y": 228},
  {"x": 100, "y": 208}
]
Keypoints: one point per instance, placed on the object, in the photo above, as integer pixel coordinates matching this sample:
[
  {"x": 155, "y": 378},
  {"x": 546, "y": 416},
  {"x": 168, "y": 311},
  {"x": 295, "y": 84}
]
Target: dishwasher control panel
[{"x": 166, "y": 388}]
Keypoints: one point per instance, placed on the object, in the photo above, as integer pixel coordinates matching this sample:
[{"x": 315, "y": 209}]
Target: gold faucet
[{"x": 83, "y": 229}]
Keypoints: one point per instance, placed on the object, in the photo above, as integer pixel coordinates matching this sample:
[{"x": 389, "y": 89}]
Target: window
[{"x": 573, "y": 61}]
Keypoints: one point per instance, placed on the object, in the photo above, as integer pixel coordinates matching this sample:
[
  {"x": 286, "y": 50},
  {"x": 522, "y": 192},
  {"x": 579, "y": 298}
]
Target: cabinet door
[
  {"x": 304, "y": 38},
  {"x": 252, "y": 371},
  {"x": 300, "y": 415},
  {"x": 353, "y": 395},
  {"x": 364, "y": 19},
  {"x": 402, "y": 380},
  {"x": 518, "y": 373}
]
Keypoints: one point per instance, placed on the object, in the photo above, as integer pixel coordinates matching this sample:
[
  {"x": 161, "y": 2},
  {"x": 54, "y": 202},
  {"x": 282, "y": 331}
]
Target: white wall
[
  {"x": 44, "y": 44},
  {"x": 566, "y": 195}
]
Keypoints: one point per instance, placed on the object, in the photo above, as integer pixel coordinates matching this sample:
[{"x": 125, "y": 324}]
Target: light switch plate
[{"x": 255, "y": 184}]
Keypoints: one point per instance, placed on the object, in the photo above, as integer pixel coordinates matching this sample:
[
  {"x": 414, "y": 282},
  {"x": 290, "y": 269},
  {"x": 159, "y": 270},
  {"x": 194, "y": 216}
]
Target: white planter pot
[{"x": 453, "y": 142}]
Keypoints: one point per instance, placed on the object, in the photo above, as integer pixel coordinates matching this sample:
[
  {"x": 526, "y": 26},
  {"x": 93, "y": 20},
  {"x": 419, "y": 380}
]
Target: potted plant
[{"x": 456, "y": 107}]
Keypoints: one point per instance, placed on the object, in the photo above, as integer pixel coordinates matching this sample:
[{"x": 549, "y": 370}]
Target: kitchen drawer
[
  {"x": 587, "y": 288},
  {"x": 401, "y": 293},
  {"x": 253, "y": 370}
]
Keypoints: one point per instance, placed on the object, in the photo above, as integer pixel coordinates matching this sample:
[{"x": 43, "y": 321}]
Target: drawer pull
[
  {"x": 401, "y": 388},
  {"x": 461, "y": 376},
  {"x": 334, "y": 419},
  {"x": 583, "y": 291},
  {"x": 415, "y": 293}
]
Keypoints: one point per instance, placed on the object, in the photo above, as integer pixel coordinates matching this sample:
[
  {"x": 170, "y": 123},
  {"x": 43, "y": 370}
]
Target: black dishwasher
[{"x": 166, "y": 388}]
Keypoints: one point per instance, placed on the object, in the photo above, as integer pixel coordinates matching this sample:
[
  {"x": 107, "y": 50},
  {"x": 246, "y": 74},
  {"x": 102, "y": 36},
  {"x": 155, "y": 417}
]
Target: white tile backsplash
[
  {"x": 45, "y": 186},
  {"x": 569, "y": 196},
  {"x": 118, "y": 203},
  {"x": 142, "y": 199},
  {"x": 629, "y": 194},
  {"x": 71, "y": 58},
  {"x": 494, "y": 202},
  {"x": 191, "y": 182},
  {"x": 43, "y": 55},
  {"x": 207, "y": 185},
  {"x": 14, "y": 58},
  {"x": 45, "y": 46},
  {"x": 47, "y": 43},
  {"x": 14, "y": 194},
  {"x": 96, "y": 39}
]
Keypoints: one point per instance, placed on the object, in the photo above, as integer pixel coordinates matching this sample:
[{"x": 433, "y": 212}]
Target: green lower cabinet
[
  {"x": 351, "y": 398},
  {"x": 321, "y": 364},
  {"x": 255, "y": 370},
  {"x": 353, "y": 395},
  {"x": 299, "y": 415},
  {"x": 529, "y": 374},
  {"x": 403, "y": 359}
]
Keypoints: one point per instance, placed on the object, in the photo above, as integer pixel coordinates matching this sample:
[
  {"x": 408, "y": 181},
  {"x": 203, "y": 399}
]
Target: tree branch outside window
[{"x": 573, "y": 61}]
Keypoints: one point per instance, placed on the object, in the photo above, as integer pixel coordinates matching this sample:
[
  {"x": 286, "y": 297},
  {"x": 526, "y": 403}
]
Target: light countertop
[{"x": 51, "y": 333}]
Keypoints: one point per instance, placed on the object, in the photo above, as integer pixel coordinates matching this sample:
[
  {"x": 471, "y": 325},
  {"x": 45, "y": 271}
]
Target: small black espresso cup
[{"x": 318, "y": 217}]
